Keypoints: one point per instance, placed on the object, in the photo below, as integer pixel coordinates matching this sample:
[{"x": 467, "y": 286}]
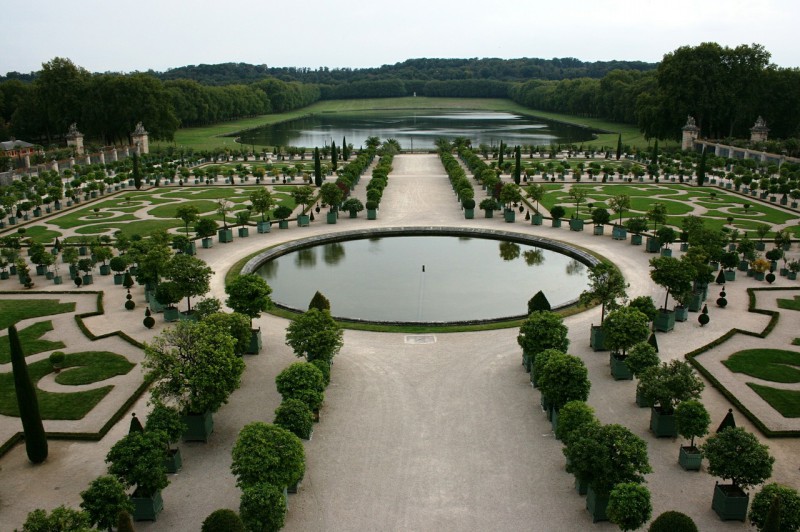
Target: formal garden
[{"x": 148, "y": 250}]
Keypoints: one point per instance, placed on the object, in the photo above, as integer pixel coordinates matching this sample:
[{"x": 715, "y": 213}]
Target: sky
[{"x": 106, "y": 36}]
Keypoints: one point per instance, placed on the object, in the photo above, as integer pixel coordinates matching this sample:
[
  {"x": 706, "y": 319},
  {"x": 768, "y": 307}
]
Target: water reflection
[
  {"x": 533, "y": 257},
  {"x": 509, "y": 251},
  {"x": 306, "y": 258},
  {"x": 333, "y": 253},
  {"x": 574, "y": 267}
]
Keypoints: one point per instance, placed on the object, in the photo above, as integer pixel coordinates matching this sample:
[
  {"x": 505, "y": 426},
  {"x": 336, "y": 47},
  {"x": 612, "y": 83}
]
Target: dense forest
[{"x": 725, "y": 89}]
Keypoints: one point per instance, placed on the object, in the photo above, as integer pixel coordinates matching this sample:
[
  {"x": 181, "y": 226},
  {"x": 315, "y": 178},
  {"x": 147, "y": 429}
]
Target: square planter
[
  {"x": 527, "y": 361},
  {"x": 171, "y": 314},
  {"x": 87, "y": 280},
  {"x": 681, "y": 313},
  {"x": 597, "y": 338},
  {"x": 191, "y": 249},
  {"x": 575, "y": 224},
  {"x": 636, "y": 240},
  {"x": 303, "y": 220},
  {"x": 619, "y": 233},
  {"x": 690, "y": 458},
  {"x": 147, "y": 508},
  {"x": 57, "y": 280},
  {"x": 556, "y": 222},
  {"x": 596, "y": 504},
  {"x": 664, "y": 320},
  {"x": 653, "y": 245},
  {"x": 469, "y": 214},
  {"x": 173, "y": 461},
  {"x": 105, "y": 269},
  {"x": 244, "y": 232},
  {"x": 207, "y": 243},
  {"x": 225, "y": 235},
  {"x": 696, "y": 302},
  {"x": 264, "y": 227},
  {"x": 730, "y": 502},
  {"x": 581, "y": 486},
  {"x": 255, "y": 342},
  {"x": 198, "y": 426},
  {"x": 488, "y": 213},
  {"x": 730, "y": 275},
  {"x": 509, "y": 215},
  {"x": 118, "y": 278},
  {"x": 598, "y": 230},
  {"x": 331, "y": 217},
  {"x": 537, "y": 219},
  {"x": 662, "y": 425},
  {"x": 619, "y": 369},
  {"x": 372, "y": 214},
  {"x": 666, "y": 252},
  {"x": 283, "y": 224}
]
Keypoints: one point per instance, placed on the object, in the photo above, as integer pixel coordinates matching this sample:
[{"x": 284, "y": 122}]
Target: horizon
[{"x": 166, "y": 34}]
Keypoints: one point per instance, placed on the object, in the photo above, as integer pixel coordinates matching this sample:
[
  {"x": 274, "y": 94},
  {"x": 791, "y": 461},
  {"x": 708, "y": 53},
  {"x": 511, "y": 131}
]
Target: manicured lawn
[
  {"x": 774, "y": 365},
  {"x": 140, "y": 227},
  {"x": 39, "y": 233},
  {"x": 790, "y": 304},
  {"x": 29, "y": 337},
  {"x": 169, "y": 210},
  {"x": 14, "y": 310},
  {"x": 787, "y": 402},
  {"x": 93, "y": 366}
]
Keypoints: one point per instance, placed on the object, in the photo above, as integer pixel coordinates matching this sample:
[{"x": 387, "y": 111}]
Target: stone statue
[
  {"x": 139, "y": 130},
  {"x": 690, "y": 121}
]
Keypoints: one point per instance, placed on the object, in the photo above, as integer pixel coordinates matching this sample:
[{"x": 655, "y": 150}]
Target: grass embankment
[
  {"x": 30, "y": 338},
  {"x": 14, "y": 310},
  {"x": 213, "y": 136}
]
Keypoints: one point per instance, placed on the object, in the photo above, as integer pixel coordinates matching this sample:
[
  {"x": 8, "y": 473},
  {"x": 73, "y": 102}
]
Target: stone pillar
[
  {"x": 27, "y": 161},
  {"x": 71, "y": 162},
  {"x": 140, "y": 139},
  {"x": 690, "y": 134},
  {"x": 88, "y": 159},
  {"x": 75, "y": 139},
  {"x": 102, "y": 158},
  {"x": 759, "y": 132},
  {"x": 54, "y": 165},
  {"x": 114, "y": 156}
]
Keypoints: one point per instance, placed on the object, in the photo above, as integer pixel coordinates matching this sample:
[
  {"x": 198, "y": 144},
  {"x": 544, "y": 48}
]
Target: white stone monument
[
  {"x": 75, "y": 139},
  {"x": 140, "y": 139},
  {"x": 690, "y": 134},
  {"x": 758, "y": 133}
]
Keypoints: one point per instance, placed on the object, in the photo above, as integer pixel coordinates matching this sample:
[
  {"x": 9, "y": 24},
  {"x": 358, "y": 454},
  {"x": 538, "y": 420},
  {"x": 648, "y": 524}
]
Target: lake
[{"x": 415, "y": 130}]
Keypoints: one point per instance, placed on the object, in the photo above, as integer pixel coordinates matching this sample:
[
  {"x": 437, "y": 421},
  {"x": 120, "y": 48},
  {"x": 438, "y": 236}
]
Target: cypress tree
[
  {"x": 538, "y": 302},
  {"x": 317, "y": 168},
  {"x": 137, "y": 172},
  {"x": 655, "y": 152},
  {"x": 35, "y": 438},
  {"x": 619, "y": 146},
  {"x": 345, "y": 149},
  {"x": 319, "y": 302},
  {"x": 517, "y": 164},
  {"x": 334, "y": 156},
  {"x": 500, "y": 156},
  {"x": 701, "y": 169}
]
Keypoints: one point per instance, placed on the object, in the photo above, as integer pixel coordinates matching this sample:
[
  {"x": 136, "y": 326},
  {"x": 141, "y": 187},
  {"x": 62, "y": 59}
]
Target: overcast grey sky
[{"x": 102, "y": 35}]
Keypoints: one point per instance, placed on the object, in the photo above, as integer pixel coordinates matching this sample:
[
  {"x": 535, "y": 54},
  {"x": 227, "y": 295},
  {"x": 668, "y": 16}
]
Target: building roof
[{"x": 9, "y": 145}]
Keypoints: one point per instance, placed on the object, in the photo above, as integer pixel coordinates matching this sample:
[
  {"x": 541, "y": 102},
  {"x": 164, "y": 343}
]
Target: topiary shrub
[
  {"x": 263, "y": 507},
  {"x": 538, "y": 302},
  {"x": 266, "y": 453},
  {"x": 223, "y": 520},
  {"x": 673, "y": 521},
  {"x": 629, "y": 505},
  {"x": 325, "y": 367},
  {"x": 789, "y": 501},
  {"x": 303, "y": 381},
  {"x": 104, "y": 500},
  {"x": 319, "y": 302},
  {"x": 295, "y": 416},
  {"x": 573, "y": 418}
]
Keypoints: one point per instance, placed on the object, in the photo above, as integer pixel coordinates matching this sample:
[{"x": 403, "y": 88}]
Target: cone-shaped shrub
[{"x": 35, "y": 438}]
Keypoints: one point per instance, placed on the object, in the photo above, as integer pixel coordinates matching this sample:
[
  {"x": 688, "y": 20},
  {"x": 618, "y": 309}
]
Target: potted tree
[
  {"x": 262, "y": 507},
  {"x": 205, "y": 229},
  {"x": 224, "y": 235},
  {"x": 302, "y": 196},
  {"x": 771, "y": 495},
  {"x": 332, "y": 195},
  {"x": 469, "y": 208},
  {"x": 642, "y": 357},
  {"x": 541, "y": 330},
  {"x": 267, "y": 454},
  {"x": 600, "y": 217},
  {"x": 315, "y": 335},
  {"x": 353, "y": 205},
  {"x": 624, "y": 328},
  {"x": 536, "y": 193},
  {"x": 563, "y": 379},
  {"x": 637, "y": 226},
  {"x": 556, "y": 213},
  {"x": 665, "y": 386},
  {"x": 104, "y": 500},
  {"x": 578, "y": 196},
  {"x": 666, "y": 235},
  {"x": 372, "y": 209},
  {"x": 606, "y": 285},
  {"x": 604, "y": 456},
  {"x": 575, "y": 418},
  {"x": 86, "y": 265},
  {"x": 295, "y": 416},
  {"x": 168, "y": 294},
  {"x": 282, "y": 213},
  {"x": 746, "y": 248},
  {"x": 794, "y": 267},
  {"x": 629, "y": 505},
  {"x": 167, "y": 420},
  {"x": 138, "y": 460},
  {"x": 118, "y": 265},
  {"x": 194, "y": 366},
  {"x": 249, "y": 295},
  {"x": 619, "y": 204},
  {"x": 262, "y": 202},
  {"x": 510, "y": 194},
  {"x": 759, "y": 266},
  {"x": 488, "y": 206},
  {"x": 729, "y": 261},
  {"x": 673, "y": 275},
  {"x": 691, "y": 421},
  {"x": 735, "y": 454},
  {"x": 243, "y": 218},
  {"x": 658, "y": 215},
  {"x": 302, "y": 381}
]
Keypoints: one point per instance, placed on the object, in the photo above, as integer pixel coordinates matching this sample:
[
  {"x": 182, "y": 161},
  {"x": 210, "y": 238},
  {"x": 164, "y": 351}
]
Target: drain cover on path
[{"x": 420, "y": 339}]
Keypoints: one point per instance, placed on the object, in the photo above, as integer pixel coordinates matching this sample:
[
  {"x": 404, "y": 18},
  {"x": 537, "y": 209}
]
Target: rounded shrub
[
  {"x": 223, "y": 520},
  {"x": 303, "y": 381},
  {"x": 673, "y": 521},
  {"x": 263, "y": 507},
  {"x": 295, "y": 416},
  {"x": 789, "y": 507},
  {"x": 266, "y": 453},
  {"x": 325, "y": 367}
]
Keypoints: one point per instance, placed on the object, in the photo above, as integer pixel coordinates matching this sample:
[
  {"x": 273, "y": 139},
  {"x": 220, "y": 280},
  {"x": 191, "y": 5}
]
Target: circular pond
[{"x": 424, "y": 275}]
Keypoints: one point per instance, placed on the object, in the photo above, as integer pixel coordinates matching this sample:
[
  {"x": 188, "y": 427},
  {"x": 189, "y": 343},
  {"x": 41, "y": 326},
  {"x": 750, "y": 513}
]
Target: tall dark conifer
[
  {"x": 35, "y": 438},
  {"x": 137, "y": 172},
  {"x": 701, "y": 169},
  {"x": 619, "y": 146},
  {"x": 500, "y": 156},
  {"x": 334, "y": 156},
  {"x": 345, "y": 149},
  {"x": 317, "y": 168},
  {"x": 517, "y": 164}
]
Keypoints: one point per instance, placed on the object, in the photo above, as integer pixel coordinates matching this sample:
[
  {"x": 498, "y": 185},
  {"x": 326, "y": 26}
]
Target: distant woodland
[{"x": 724, "y": 88}]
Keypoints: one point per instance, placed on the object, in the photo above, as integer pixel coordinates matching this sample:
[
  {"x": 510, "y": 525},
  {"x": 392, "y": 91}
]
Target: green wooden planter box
[
  {"x": 255, "y": 342},
  {"x": 681, "y": 313},
  {"x": 537, "y": 219},
  {"x": 173, "y": 461},
  {"x": 759, "y": 276},
  {"x": 41, "y": 269},
  {"x": 87, "y": 280},
  {"x": 619, "y": 369},
  {"x": 303, "y": 220},
  {"x": 696, "y": 302},
  {"x": 581, "y": 486},
  {"x": 597, "y": 504},
  {"x": 105, "y": 269},
  {"x": 509, "y": 215},
  {"x": 225, "y": 236},
  {"x": 331, "y": 217},
  {"x": 488, "y": 213},
  {"x": 372, "y": 214},
  {"x": 653, "y": 245},
  {"x": 283, "y": 224},
  {"x": 662, "y": 425},
  {"x": 636, "y": 240},
  {"x": 730, "y": 502},
  {"x": 244, "y": 232},
  {"x": 666, "y": 252},
  {"x": 207, "y": 243},
  {"x": 198, "y": 426},
  {"x": 469, "y": 214},
  {"x": 147, "y": 508},
  {"x": 118, "y": 278},
  {"x": 730, "y": 275},
  {"x": 642, "y": 401},
  {"x": 556, "y": 222},
  {"x": 171, "y": 314},
  {"x": 619, "y": 233},
  {"x": 57, "y": 279},
  {"x": 664, "y": 320},
  {"x": 598, "y": 230},
  {"x": 597, "y": 338},
  {"x": 264, "y": 227},
  {"x": 690, "y": 458},
  {"x": 527, "y": 361},
  {"x": 575, "y": 224}
]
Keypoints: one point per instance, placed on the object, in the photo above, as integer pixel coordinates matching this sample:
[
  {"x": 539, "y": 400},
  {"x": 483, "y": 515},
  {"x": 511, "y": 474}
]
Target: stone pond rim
[{"x": 553, "y": 245}]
